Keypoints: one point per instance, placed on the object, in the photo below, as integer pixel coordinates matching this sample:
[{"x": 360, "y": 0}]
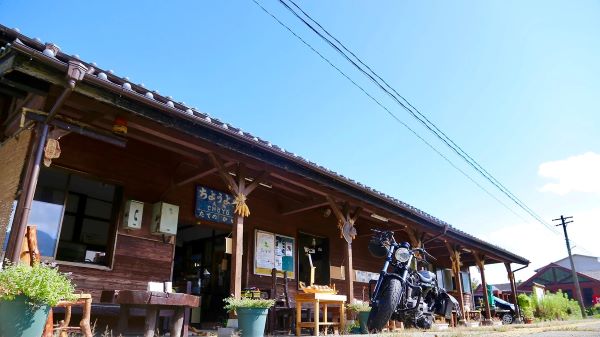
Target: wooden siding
[{"x": 146, "y": 174}]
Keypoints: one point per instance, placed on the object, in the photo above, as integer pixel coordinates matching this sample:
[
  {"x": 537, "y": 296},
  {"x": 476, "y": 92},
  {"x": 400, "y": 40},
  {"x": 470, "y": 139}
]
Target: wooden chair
[
  {"x": 282, "y": 314},
  {"x": 30, "y": 254}
]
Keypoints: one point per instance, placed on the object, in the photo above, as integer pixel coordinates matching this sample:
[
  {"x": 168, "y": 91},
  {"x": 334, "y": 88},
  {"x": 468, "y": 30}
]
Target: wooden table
[
  {"x": 318, "y": 299},
  {"x": 154, "y": 301}
]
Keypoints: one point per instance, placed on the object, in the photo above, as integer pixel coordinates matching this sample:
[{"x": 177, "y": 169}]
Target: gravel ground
[{"x": 580, "y": 328}]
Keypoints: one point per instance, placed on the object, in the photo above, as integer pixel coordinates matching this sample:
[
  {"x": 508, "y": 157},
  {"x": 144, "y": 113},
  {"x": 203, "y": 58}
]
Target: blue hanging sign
[{"x": 214, "y": 205}]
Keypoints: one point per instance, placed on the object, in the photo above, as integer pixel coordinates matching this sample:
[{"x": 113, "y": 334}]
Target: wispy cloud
[{"x": 579, "y": 173}]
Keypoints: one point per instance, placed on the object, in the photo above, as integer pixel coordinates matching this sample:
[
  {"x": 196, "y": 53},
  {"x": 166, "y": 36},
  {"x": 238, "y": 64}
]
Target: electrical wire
[
  {"x": 383, "y": 85},
  {"x": 405, "y": 104},
  {"x": 411, "y": 130}
]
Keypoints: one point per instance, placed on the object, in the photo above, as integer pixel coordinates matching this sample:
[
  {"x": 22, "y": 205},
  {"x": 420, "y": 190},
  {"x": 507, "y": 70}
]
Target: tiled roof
[{"x": 52, "y": 51}]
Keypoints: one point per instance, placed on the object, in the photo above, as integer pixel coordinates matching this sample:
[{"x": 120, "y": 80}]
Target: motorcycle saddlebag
[{"x": 445, "y": 304}]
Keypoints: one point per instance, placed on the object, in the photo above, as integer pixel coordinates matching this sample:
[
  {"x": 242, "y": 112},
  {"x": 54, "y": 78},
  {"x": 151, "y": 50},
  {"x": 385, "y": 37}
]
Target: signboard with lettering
[{"x": 214, "y": 205}]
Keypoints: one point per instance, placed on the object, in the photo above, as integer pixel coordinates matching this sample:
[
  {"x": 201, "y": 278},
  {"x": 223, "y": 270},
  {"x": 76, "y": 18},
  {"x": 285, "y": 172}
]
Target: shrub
[
  {"x": 557, "y": 305},
  {"x": 42, "y": 284}
]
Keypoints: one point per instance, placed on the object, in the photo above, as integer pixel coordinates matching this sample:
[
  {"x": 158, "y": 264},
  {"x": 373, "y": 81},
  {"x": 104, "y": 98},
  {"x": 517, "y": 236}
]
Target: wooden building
[{"x": 123, "y": 147}]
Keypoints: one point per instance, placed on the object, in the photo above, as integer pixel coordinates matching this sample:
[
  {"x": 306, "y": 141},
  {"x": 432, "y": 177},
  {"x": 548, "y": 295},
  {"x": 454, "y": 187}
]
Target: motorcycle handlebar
[{"x": 424, "y": 252}]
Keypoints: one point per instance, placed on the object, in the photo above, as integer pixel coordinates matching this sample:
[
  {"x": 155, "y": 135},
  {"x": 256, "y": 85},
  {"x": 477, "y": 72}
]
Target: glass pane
[
  {"x": 46, "y": 216},
  {"x": 91, "y": 188},
  {"x": 94, "y": 232},
  {"x": 466, "y": 282},
  {"x": 72, "y": 203},
  {"x": 68, "y": 228},
  {"x": 98, "y": 208},
  {"x": 448, "y": 281}
]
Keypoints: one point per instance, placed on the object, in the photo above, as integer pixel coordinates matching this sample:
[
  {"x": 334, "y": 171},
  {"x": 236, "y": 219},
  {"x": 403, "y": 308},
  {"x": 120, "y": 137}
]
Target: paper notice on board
[
  {"x": 265, "y": 245},
  {"x": 288, "y": 249},
  {"x": 287, "y": 263},
  {"x": 279, "y": 248}
]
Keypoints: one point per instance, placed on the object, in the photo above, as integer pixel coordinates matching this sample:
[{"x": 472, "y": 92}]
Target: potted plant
[
  {"x": 362, "y": 309},
  {"x": 27, "y": 294},
  {"x": 251, "y": 313}
]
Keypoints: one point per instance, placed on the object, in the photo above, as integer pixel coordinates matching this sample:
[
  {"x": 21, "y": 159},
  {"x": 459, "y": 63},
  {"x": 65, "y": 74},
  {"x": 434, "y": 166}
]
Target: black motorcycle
[{"x": 404, "y": 294}]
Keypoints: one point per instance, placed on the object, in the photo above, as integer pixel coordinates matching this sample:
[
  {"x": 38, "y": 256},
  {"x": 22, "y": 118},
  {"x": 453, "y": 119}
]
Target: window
[
  {"x": 74, "y": 216},
  {"x": 466, "y": 281},
  {"x": 445, "y": 279}
]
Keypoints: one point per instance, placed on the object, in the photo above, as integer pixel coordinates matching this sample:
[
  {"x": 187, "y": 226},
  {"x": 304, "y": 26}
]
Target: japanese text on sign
[{"x": 213, "y": 205}]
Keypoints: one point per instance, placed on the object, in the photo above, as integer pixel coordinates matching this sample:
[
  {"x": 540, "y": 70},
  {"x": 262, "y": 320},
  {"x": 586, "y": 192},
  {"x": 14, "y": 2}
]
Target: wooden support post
[
  {"x": 237, "y": 188},
  {"x": 346, "y": 219},
  {"x": 349, "y": 272},
  {"x": 238, "y": 239},
  {"x": 513, "y": 287},
  {"x": 480, "y": 260},
  {"x": 456, "y": 263}
]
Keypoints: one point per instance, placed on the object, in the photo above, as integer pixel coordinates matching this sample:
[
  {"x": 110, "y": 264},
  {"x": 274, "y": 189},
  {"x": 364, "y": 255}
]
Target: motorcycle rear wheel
[{"x": 388, "y": 300}]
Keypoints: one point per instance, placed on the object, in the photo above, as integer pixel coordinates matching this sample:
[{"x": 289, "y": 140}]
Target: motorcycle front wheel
[{"x": 388, "y": 300}]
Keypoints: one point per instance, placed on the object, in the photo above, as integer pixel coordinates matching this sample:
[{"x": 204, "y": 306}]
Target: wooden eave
[{"x": 23, "y": 59}]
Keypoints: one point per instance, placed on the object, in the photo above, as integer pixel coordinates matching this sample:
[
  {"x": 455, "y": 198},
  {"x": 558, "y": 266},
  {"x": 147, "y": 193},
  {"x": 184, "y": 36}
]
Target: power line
[
  {"x": 386, "y": 109},
  {"x": 421, "y": 117},
  {"x": 405, "y": 104},
  {"x": 388, "y": 89}
]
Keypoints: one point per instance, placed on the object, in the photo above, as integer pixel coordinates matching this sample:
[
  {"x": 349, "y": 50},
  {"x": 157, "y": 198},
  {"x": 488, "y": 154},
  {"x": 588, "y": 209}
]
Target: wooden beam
[
  {"x": 227, "y": 179},
  {"x": 200, "y": 175},
  {"x": 335, "y": 208},
  {"x": 256, "y": 181},
  {"x": 414, "y": 235},
  {"x": 305, "y": 207}
]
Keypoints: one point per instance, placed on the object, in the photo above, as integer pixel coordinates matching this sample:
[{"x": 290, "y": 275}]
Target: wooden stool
[{"x": 85, "y": 302}]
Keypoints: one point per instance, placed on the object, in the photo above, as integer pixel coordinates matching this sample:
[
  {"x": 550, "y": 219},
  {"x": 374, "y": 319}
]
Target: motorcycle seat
[{"x": 426, "y": 276}]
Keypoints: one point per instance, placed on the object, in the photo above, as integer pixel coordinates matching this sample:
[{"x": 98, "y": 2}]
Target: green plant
[
  {"x": 246, "y": 302},
  {"x": 557, "y": 306},
  {"x": 526, "y": 306},
  {"x": 42, "y": 284},
  {"x": 358, "y": 306}
]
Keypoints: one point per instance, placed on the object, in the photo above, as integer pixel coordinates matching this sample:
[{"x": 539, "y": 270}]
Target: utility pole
[{"x": 564, "y": 222}]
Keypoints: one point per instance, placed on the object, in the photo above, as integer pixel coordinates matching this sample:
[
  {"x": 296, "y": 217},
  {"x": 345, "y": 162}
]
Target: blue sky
[{"x": 514, "y": 83}]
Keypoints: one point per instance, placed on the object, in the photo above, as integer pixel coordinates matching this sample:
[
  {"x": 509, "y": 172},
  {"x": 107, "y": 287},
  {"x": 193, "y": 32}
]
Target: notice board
[{"x": 274, "y": 251}]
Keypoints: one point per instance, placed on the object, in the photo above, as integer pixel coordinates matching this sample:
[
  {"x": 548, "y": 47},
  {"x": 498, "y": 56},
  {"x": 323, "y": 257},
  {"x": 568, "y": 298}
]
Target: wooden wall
[{"x": 145, "y": 172}]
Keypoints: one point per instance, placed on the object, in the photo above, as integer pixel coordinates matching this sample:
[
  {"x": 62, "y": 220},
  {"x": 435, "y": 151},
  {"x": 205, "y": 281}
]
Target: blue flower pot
[
  {"x": 19, "y": 318},
  {"x": 252, "y": 321}
]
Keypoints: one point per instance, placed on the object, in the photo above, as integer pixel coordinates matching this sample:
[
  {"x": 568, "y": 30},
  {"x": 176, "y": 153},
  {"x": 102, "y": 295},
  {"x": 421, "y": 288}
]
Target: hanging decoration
[
  {"x": 241, "y": 208},
  {"x": 347, "y": 229},
  {"x": 51, "y": 151},
  {"x": 120, "y": 126}
]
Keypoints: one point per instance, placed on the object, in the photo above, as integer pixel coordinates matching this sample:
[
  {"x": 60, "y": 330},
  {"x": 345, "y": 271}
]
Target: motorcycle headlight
[{"x": 402, "y": 254}]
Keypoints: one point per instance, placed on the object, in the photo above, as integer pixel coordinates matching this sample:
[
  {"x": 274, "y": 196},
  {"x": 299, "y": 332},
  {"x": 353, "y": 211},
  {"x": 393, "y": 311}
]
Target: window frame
[{"x": 113, "y": 221}]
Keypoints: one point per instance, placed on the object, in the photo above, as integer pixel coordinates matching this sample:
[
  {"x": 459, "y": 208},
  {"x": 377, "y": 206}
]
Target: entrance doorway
[
  {"x": 200, "y": 258},
  {"x": 318, "y": 249}
]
